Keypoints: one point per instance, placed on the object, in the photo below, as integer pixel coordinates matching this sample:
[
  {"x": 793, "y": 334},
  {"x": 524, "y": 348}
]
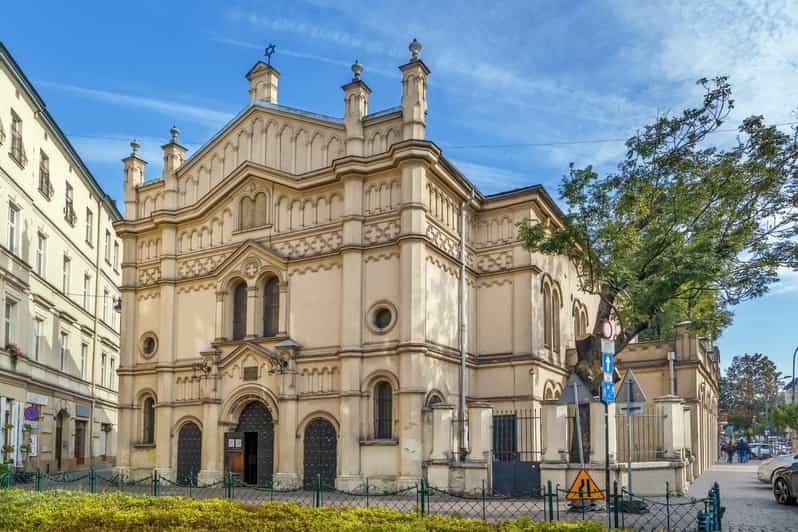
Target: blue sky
[{"x": 571, "y": 78}]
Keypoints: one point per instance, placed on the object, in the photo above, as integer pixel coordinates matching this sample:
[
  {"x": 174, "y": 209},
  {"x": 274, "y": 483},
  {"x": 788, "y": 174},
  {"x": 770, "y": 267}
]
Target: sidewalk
[{"x": 750, "y": 505}]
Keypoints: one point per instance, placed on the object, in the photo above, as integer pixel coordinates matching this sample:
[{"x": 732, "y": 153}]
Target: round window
[
  {"x": 148, "y": 344},
  {"x": 382, "y": 318}
]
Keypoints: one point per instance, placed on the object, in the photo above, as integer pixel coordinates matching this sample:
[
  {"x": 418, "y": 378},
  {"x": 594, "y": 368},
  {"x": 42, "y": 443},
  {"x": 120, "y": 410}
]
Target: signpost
[
  {"x": 607, "y": 396},
  {"x": 576, "y": 392}
]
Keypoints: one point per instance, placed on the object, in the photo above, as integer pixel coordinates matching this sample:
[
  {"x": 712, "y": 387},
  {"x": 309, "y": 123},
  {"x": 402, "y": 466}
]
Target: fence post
[
  {"x": 483, "y": 499},
  {"x": 668, "y": 504},
  {"x": 550, "y": 502},
  {"x": 718, "y": 509},
  {"x": 317, "y": 495},
  {"x": 38, "y": 483},
  {"x": 615, "y": 508},
  {"x": 367, "y": 492},
  {"x": 92, "y": 480},
  {"x": 228, "y": 485}
]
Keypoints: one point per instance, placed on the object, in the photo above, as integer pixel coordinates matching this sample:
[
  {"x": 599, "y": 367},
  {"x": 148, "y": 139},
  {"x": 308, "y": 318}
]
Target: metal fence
[
  {"x": 648, "y": 441},
  {"x": 620, "y": 509}
]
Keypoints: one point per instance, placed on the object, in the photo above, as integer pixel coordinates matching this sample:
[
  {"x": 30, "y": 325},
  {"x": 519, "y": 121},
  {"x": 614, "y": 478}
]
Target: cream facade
[
  {"x": 301, "y": 294},
  {"x": 60, "y": 265}
]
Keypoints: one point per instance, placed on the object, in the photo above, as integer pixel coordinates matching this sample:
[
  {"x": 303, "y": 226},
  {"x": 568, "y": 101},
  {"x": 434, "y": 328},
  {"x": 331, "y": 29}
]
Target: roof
[{"x": 23, "y": 80}]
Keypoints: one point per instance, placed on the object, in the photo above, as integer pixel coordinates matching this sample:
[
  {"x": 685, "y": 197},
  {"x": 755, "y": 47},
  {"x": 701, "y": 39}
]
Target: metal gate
[
  {"x": 320, "y": 453},
  {"x": 257, "y": 420},
  {"x": 516, "y": 452},
  {"x": 189, "y": 453}
]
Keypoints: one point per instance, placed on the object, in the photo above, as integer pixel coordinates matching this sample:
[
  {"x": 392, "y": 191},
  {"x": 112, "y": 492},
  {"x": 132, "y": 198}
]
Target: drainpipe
[
  {"x": 462, "y": 429},
  {"x": 672, "y": 372}
]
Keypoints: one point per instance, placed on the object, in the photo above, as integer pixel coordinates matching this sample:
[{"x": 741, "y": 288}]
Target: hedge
[{"x": 70, "y": 511}]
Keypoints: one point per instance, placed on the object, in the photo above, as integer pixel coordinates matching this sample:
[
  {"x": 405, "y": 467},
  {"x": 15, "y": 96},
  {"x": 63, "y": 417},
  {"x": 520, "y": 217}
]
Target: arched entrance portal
[
  {"x": 249, "y": 451},
  {"x": 189, "y": 453},
  {"x": 320, "y": 444}
]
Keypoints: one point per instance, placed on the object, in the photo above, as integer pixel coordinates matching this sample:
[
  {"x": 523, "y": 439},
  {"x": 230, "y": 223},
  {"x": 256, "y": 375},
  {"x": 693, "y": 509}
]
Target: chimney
[
  {"x": 414, "y": 94},
  {"x": 173, "y": 156},
  {"x": 134, "y": 176},
  {"x": 263, "y": 83},
  {"x": 356, "y": 105}
]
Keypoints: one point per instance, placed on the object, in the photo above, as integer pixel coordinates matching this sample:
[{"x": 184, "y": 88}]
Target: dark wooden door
[
  {"x": 234, "y": 453},
  {"x": 59, "y": 439},
  {"x": 80, "y": 441},
  {"x": 256, "y": 418},
  {"x": 189, "y": 453},
  {"x": 321, "y": 451}
]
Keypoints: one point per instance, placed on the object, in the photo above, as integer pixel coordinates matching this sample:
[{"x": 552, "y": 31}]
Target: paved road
[{"x": 750, "y": 505}]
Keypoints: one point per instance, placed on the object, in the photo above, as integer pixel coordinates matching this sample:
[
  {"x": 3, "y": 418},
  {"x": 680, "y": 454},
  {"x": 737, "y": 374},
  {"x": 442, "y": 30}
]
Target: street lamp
[{"x": 792, "y": 384}]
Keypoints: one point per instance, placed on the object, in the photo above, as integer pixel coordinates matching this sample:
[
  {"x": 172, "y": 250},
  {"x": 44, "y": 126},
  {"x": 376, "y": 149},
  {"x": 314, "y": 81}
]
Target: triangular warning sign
[{"x": 584, "y": 488}]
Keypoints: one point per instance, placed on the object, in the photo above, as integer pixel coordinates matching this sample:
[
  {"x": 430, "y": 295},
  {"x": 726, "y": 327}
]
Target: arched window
[
  {"x": 240, "y": 311},
  {"x": 247, "y": 213},
  {"x": 148, "y": 435},
  {"x": 271, "y": 306},
  {"x": 580, "y": 320},
  {"x": 555, "y": 322},
  {"x": 547, "y": 315},
  {"x": 383, "y": 411}
]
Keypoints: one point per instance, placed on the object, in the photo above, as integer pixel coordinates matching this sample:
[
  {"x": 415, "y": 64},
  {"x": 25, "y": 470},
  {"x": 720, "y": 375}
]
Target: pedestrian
[
  {"x": 740, "y": 447},
  {"x": 746, "y": 450},
  {"x": 728, "y": 448}
]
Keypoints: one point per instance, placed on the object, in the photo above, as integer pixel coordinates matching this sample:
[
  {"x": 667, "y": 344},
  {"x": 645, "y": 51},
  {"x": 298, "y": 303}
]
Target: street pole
[
  {"x": 607, "y": 460},
  {"x": 578, "y": 426},
  {"x": 792, "y": 384},
  {"x": 629, "y": 437}
]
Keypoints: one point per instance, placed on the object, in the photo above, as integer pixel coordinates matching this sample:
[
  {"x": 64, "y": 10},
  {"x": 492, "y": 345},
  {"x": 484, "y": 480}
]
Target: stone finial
[
  {"x": 174, "y": 132},
  {"x": 415, "y": 50},
  {"x": 134, "y": 145},
  {"x": 357, "y": 69}
]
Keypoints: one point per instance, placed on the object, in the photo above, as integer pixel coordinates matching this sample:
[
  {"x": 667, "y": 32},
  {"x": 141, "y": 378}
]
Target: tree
[
  {"x": 749, "y": 388},
  {"x": 682, "y": 230},
  {"x": 784, "y": 416}
]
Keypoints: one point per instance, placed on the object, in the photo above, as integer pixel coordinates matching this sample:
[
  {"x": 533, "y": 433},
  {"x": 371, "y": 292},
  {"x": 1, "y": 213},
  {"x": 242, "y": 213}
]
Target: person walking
[{"x": 728, "y": 448}]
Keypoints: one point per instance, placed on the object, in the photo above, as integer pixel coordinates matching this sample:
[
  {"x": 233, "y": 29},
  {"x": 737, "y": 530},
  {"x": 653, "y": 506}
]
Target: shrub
[{"x": 68, "y": 511}]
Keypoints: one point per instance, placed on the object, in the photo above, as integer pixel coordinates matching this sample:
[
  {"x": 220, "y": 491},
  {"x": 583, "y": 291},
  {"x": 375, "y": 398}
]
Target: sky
[{"x": 518, "y": 90}]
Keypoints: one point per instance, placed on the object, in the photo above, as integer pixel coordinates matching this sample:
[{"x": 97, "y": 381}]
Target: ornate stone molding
[
  {"x": 380, "y": 232},
  {"x": 149, "y": 276},
  {"x": 310, "y": 245},
  {"x": 199, "y": 266},
  {"x": 494, "y": 262}
]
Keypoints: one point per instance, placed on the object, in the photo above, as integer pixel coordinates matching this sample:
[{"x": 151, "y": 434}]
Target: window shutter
[
  {"x": 3, "y": 408},
  {"x": 16, "y": 412}
]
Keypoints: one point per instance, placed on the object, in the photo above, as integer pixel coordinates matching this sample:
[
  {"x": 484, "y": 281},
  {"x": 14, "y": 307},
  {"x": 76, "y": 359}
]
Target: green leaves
[{"x": 685, "y": 228}]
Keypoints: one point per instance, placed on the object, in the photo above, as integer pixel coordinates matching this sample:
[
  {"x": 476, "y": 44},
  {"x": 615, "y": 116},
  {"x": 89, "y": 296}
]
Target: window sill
[
  {"x": 375, "y": 442},
  {"x": 144, "y": 446}
]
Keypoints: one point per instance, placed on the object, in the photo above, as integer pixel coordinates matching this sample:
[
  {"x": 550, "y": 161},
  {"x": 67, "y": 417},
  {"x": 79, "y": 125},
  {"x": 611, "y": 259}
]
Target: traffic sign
[
  {"x": 582, "y": 393},
  {"x": 607, "y": 362},
  {"x": 606, "y": 329},
  {"x": 624, "y": 390},
  {"x": 584, "y": 488},
  {"x": 607, "y": 391}
]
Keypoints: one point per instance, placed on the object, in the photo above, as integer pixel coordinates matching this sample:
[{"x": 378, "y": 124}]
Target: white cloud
[
  {"x": 303, "y": 55},
  {"x": 492, "y": 179},
  {"x": 200, "y": 115}
]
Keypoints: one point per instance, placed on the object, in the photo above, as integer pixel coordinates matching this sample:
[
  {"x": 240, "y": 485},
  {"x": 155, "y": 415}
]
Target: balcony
[{"x": 69, "y": 214}]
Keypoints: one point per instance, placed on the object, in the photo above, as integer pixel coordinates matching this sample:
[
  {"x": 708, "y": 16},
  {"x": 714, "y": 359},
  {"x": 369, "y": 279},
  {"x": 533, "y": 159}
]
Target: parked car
[
  {"x": 760, "y": 450},
  {"x": 766, "y": 469},
  {"x": 785, "y": 484}
]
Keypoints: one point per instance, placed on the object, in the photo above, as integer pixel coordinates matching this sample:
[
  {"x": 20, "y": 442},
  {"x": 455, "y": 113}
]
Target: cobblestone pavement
[{"x": 750, "y": 505}]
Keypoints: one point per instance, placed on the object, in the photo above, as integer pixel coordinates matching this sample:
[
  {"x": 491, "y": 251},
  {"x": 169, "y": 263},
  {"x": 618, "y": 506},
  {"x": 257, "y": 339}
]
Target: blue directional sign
[
  {"x": 607, "y": 362},
  {"x": 607, "y": 391}
]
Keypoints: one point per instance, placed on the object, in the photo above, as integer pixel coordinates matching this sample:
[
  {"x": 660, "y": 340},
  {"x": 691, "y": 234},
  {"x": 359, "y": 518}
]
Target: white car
[
  {"x": 766, "y": 469},
  {"x": 760, "y": 450}
]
